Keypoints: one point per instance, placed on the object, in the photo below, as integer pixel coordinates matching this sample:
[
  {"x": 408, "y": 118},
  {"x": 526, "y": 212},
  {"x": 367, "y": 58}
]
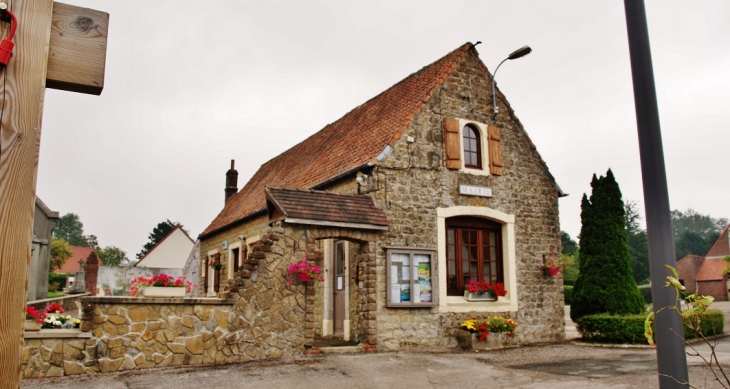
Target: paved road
[{"x": 565, "y": 365}]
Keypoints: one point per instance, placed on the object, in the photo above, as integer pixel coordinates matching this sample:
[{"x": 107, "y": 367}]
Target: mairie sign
[{"x": 470, "y": 190}]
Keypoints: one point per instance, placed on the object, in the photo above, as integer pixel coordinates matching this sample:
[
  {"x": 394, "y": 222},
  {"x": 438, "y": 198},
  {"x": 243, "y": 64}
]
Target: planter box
[
  {"x": 479, "y": 296},
  {"x": 31, "y": 325},
  {"x": 167, "y": 292},
  {"x": 495, "y": 340}
]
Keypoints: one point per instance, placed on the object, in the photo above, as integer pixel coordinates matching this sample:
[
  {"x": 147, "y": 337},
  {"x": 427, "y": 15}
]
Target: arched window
[
  {"x": 473, "y": 252},
  {"x": 472, "y": 147}
]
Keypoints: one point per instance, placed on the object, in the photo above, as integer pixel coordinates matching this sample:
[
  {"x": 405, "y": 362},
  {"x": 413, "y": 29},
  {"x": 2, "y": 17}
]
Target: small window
[{"x": 472, "y": 147}]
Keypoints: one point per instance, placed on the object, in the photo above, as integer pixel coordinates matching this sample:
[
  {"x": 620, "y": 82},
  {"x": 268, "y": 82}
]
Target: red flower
[{"x": 54, "y": 308}]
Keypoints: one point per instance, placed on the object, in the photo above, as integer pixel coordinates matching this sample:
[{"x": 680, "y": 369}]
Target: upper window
[
  {"x": 473, "y": 252},
  {"x": 472, "y": 147}
]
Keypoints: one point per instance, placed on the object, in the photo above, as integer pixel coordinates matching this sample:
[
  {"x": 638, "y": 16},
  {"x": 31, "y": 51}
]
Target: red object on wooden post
[{"x": 6, "y": 46}]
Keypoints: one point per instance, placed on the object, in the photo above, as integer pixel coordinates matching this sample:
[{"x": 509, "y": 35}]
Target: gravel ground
[{"x": 563, "y": 365}]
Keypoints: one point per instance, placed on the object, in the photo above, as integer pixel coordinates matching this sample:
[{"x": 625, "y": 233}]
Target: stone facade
[{"x": 417, "y": 192}]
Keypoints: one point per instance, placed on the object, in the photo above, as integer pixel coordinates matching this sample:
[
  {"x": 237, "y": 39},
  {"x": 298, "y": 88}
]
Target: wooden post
[{"x": 20, "y": 129}]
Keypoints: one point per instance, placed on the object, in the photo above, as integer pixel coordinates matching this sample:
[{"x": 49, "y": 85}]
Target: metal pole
[{"x": 671, "y": 358}]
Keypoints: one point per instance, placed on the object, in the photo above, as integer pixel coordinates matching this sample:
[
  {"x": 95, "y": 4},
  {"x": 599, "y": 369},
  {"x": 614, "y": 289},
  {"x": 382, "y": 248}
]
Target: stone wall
[
  {"x": 261, "y": 317},
  {"x": 412, "y": 182}
]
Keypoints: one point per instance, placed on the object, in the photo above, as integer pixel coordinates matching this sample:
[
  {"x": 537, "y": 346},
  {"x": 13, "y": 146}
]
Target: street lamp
[{"x": 521, "y": 52}]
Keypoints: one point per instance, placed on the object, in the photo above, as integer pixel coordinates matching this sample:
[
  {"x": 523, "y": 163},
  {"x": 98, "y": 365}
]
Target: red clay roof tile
[
  {"x": 354, "y": 140},
  {"x": 721, "y": 248},
  {"x": 72, "y": 264},
  {"x": 327, "y": 207},
  {"x": 712, "y": 269}
]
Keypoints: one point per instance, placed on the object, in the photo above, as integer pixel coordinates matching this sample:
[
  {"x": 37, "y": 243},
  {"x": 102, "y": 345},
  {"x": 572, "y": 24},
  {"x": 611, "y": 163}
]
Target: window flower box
[
  {"x": 165, "y": 292},
  {"x": 474, "y": 297}
]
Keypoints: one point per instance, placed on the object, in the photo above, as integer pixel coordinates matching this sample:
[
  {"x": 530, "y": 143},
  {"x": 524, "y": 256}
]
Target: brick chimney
[{"x": 231, "y": 181}]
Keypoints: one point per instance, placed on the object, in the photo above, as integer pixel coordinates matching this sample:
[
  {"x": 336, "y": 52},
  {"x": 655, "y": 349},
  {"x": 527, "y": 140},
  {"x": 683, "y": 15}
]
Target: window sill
[
  {"x": 459, "y": 304},
  {"x": 473, "y": 171}
]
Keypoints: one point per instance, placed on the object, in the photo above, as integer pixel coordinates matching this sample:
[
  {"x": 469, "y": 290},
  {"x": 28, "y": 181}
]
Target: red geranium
[{"x": 54, "y": 308}]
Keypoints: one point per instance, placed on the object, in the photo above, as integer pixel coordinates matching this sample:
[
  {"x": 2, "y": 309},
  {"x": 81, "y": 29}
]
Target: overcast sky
[{"x": 191, "y": 85}]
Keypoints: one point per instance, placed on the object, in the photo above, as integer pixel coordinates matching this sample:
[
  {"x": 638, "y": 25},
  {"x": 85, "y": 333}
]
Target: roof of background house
[
  {"x": 355, "y": 140},
  {"x": 326, "y": 208},
  {"x": 721, "y": 248},
  {"x": 72, "y": 264},
  {"x": 711, "y": 269}
]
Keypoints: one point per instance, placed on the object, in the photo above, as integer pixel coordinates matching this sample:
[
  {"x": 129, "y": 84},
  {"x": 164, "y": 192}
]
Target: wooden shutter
[
  {"x": 452, "y": 143},
  {"x": 495, "y": 151}
]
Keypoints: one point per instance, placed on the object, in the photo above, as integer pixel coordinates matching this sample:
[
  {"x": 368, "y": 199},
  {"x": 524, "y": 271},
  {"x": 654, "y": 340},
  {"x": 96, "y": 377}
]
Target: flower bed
[{"x": 161, "y": 280}]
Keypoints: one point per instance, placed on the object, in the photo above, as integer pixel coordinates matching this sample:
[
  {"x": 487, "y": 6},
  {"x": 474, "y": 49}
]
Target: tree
[
  {"x": 70, "y": 228},
  {"x": 605, "y": 283},
  {"x": 158, "y": 233},
  {"x": 695, "y": 233},
  {"x": 569, "y": 245},
  {"x": 112, "y": 256},
  {"x": 60, "y": 253},
  {"x": 638, "y": 243}
]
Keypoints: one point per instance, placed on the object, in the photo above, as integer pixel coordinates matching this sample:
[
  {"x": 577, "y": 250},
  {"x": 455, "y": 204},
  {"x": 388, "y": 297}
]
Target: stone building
[{"x": 400, "y": 202}]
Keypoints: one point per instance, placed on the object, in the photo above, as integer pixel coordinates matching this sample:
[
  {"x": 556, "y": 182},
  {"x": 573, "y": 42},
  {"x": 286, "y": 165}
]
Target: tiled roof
[
  {"x": 711, "y": 269},
  {"x": 327, "y": 208},
  {"x": 72, "y": 264},
  {"x": 721, "y": 247},
  {"x": 351, "y": 142}
]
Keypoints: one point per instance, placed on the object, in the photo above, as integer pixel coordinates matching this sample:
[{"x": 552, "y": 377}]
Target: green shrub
[
  {"x": 605, "y": 283},
  {"x": 607, "y": 328},
  {"x": 712, "y": 323},
  {"x": 646, "y": 293},
  {"x": 568, "y": 292},
  {"x": 59, "y": 278}
]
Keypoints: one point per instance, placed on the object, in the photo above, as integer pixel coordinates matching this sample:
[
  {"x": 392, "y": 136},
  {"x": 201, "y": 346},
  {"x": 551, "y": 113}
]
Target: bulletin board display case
[{"x": 410, "y": 278}]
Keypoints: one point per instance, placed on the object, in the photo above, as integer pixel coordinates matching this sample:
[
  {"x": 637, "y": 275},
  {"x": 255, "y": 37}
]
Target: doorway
[{"x": 339, "y": 290}]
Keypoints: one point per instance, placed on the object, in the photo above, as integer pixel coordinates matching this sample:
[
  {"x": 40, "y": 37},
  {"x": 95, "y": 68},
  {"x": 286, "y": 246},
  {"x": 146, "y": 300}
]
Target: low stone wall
[{"x": 133, "y": 333}]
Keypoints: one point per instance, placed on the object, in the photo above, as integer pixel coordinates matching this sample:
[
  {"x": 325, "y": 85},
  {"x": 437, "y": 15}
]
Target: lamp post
[{"x": 519, "y": 53}]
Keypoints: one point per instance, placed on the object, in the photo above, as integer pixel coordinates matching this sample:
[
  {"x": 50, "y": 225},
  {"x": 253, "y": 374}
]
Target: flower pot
[
  {"x": 31, "y": 325},
  {"x": 495, "y": 340},
  {"x": 479, "y": 296},
  {"x": 161, "y": 291}
]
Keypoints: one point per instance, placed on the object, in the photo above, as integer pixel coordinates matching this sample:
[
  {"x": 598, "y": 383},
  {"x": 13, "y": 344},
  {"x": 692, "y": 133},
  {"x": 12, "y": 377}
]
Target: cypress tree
[{"x": 605, "y": 283}]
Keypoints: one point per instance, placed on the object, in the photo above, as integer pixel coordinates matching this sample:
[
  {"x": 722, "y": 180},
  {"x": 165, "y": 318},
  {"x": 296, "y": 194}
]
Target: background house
[
  {"x": 705, "y": 274},
  {"x": 44, "y": 222},
  {"x": 169, "y": 253}
]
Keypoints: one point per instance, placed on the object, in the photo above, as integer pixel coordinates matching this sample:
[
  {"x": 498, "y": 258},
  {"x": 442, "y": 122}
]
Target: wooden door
[{"x": 339, "y": 290}]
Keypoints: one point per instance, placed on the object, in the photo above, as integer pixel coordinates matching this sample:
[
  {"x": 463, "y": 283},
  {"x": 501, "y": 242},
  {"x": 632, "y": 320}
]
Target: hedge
[
  {"x": 568, "y": 293},
  {"x": 57, "y": 277},
  {"x": 608, "y": 328},
  {"x": 646, "y": 292}
]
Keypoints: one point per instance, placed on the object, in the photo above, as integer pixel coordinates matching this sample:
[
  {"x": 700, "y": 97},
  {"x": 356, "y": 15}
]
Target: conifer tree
[{"x": 605, "y": 283}]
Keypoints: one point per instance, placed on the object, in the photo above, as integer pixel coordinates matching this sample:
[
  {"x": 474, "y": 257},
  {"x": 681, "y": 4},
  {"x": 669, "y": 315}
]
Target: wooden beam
[
  {"x": 77, "y": 55},
  {"x": 21, "y": 104}
]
